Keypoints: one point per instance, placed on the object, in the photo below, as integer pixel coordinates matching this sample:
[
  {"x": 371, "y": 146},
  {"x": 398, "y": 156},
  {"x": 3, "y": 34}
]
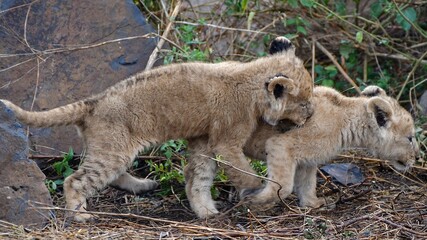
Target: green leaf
[
  {"x": 244, "y": 4},
  {"x": 328, "y": 83},
  {"x": 68, "y": 171},
  {"x": 307, "y": 3},
  {"x": 318, "y": 69},
  {"x": 376, "y": 9},
  {"x": 341, "y": 7},
  {"x": 293, "y": 3},
  {"x": 346, "y": 50},
  {"x": 359, "y": 36},
  {"x": 302, "y": 30},
  {"x": 331, "y": 68},
  {"x": 290, "y": 21},
  {"x": 59, "y": 167},
  {"x": 69, "y": 156},
  {"x": 58, "y": 182},
  {"x": 409, "y": 13}
]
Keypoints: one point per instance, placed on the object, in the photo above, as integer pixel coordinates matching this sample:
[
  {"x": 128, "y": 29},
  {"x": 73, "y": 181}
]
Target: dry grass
[{"x": 386, "y": 205}]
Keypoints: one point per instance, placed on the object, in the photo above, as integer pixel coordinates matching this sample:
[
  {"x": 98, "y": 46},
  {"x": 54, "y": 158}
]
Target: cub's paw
[
  {"x": 143, "y": 186},
  {"x": 81, "y": 217},
  {"x": 254, "y": 199},
  {"x": 249, "y": 192},
  {"x": 148, "y": 185},
  {"x": 313, "y": 203},
  {"x": 280, "y": 44},
  {"x": 206, "y": 213}
]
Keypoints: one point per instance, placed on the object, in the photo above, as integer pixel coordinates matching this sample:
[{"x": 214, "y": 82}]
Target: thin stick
[
  {"x": 332, "y": 58},
  {"x": 395, "y": 56},
  {"x": 417, "y": 63},
  {"x": 223, "y": 28},
  {"x": 159, "y": 46}
]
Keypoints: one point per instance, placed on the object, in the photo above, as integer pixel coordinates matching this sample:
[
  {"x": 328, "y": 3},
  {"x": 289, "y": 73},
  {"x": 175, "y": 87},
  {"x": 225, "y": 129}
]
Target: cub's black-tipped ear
[
  {"x": 373, "y": 91},
  {"x": 382, "y": 111},
  {"x": 280, "y": 44},
  {"x": 281, "y": 85}
]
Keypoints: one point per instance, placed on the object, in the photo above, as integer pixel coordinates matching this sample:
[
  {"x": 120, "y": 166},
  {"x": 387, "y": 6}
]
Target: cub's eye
[{"x": 303, "y": 105}]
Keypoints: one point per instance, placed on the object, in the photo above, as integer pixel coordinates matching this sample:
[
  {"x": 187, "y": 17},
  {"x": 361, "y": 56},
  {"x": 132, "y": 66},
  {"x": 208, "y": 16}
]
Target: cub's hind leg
[
  {"x": 107, "y": 158},
  {"x": 305, "y": 186},
  {"x": 199, "y": 175},
  {"x": 133, "y": 184}
]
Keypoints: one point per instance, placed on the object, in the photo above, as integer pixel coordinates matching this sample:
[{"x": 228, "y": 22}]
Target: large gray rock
[
  {"x": 21, "y": 182},
  {"x": 32, "y": 78}
]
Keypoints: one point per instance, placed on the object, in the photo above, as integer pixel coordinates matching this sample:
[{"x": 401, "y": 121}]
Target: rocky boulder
[
  {"x": 22, "y": 188},
  {"x": 55, "y": 52}
]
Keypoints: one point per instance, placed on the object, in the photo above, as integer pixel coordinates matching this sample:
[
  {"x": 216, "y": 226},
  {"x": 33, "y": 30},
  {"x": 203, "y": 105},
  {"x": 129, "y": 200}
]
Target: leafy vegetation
[
  {"x": 170, "y": 171},
  {"x": 63, "y": 170}
]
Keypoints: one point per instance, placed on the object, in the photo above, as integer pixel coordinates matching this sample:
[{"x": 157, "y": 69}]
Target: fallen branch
[
  {"x": 332, "y": 58},
  {"x": 159, "y": 46}
]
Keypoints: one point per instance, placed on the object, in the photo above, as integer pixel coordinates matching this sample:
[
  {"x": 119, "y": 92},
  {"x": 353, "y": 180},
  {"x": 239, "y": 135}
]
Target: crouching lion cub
[
  {"x": 222, "y": 101},
  {"x": 373, "y": 121}
]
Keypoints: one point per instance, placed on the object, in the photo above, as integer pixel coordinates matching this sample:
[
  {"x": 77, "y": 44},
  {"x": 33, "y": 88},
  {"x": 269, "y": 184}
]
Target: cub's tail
[{"x": 65, "y": 115}]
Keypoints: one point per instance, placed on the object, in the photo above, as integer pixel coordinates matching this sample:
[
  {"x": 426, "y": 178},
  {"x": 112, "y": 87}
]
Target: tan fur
[
  {"x": 222, "y": 101},
  {"x": 292, "y": 157}
]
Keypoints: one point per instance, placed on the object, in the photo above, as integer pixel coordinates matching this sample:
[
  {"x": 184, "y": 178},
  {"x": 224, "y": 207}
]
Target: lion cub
[
  {"x": 373, "y": 121},
  {"x": 222, "y": 101}
]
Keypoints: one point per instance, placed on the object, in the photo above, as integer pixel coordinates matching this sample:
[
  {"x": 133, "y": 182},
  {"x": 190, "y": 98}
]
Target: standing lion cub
[
  {"x": 222, "y": 101},
  {"x": 373, "y": 121}
]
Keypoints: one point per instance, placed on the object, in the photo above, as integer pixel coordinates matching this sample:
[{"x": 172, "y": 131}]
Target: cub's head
[
  {"x": 298, "y": 105},
  {"x": 393, "y": 127},
  {"x": 277, "y": 91}
]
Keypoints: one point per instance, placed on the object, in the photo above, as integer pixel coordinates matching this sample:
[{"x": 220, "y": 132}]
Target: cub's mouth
[{"x": 401, "y": 165}]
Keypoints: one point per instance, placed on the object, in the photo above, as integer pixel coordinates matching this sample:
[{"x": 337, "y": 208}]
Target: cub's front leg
[
  {"x": 229, "y": 146},
  {"x": 239, "y": 171},
  {"x": 281, "y": 172},
  {"x": 305, "y": 186}
]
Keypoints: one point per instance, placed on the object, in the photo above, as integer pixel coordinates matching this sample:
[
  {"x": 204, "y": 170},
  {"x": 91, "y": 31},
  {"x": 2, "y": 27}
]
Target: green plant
[
  {"x": 190, "y": 50},
  {"x": 169, "y": 172},
  {"x": 260, "y": 167},
  {"x": 325, "y": 75},
  {"x": 299, "y": 23},
  {"x": 62, "y": 169}
]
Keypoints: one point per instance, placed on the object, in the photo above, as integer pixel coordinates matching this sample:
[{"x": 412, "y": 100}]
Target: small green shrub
[
  {"x": 170, "y": 171},
  {"x": 62, "y": 169}
]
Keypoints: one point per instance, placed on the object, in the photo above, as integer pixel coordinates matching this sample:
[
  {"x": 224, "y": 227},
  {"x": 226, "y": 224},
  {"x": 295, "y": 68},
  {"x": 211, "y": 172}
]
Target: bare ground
[{"x": 386, "y": 205}]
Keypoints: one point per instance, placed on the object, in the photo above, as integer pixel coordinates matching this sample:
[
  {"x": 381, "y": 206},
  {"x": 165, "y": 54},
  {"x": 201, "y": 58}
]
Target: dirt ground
[{"x": 386, "y": 205}]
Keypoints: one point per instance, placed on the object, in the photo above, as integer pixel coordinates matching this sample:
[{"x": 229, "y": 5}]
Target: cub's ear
[
  {"x": 382, "y": 111},
  {"x": 281, "y": 85},
  {"x": 280, "y": 44},
  {"x": 373, "y": 91}
]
